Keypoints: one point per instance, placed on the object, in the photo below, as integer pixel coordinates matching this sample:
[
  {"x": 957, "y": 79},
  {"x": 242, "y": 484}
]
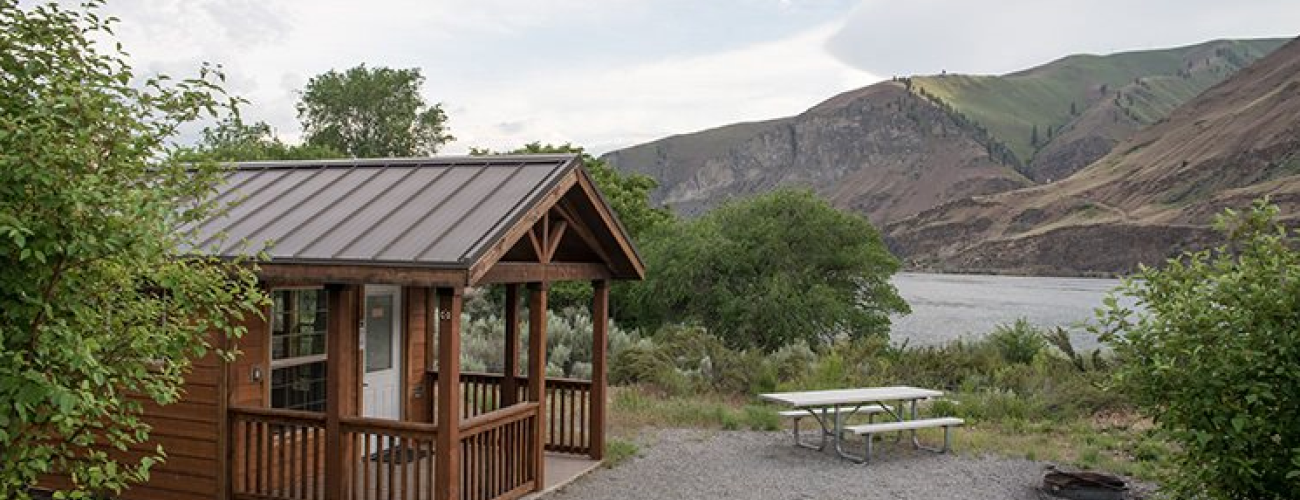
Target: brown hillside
[
  {"x": 1151, "y": 197},
  {"x": 879, "y": 150}
]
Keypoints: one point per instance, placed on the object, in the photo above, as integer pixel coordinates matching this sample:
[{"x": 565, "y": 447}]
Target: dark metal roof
[{"x": 440, "y": 212}]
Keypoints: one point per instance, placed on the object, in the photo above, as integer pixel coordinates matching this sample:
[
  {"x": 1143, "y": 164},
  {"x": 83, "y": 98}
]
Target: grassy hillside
[
  {"x": 1134, "y": 88},
  {"x": 1152, "y": 196}
]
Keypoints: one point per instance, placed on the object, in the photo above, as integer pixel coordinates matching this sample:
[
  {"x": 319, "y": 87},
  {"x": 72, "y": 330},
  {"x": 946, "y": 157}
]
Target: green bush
[
  {"x": 1018, "y": 342},
  {"x": 761, "y": 418},
  {"x": 1213, "y": 357}
]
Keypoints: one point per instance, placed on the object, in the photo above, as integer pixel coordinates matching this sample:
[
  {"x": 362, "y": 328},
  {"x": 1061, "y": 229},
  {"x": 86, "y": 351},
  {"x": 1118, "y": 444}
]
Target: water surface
[{"x": 948, "y": 306}]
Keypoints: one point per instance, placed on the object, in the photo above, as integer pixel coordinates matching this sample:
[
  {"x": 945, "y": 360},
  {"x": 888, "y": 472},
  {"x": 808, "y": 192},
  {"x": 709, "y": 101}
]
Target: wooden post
[
  {"x": 447, "y": 450},
  {"x": 599, "y": 341},
  {"x": 415, "y": 405},
  {"x": 510, "y": 384},
  {"x": 537, "y": 374},
  {"x": 341, "y": 375}
]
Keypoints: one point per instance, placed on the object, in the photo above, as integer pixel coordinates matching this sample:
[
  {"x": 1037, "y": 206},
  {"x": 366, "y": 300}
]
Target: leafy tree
[
  {"x": 767, "y": 271},
  {"x": 233, "y": 140},
  {"x": 370, "y": 113},
  {"x": 1033, "y": 136},
  {"x": 97, "y": 313},
  {"x": 1212, "y": 354}
]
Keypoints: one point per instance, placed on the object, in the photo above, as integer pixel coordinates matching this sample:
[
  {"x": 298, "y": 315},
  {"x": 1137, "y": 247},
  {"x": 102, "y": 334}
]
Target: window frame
[{"x": 296, "y": 361}]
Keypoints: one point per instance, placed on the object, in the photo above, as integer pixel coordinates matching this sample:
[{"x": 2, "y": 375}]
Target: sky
[{"x": 613, "y": 73}]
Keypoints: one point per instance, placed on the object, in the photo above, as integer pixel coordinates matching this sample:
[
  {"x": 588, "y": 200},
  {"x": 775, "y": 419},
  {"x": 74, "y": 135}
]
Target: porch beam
[
  {"x": 356, "y": 274},
  {"x": 526, "y": 272},
  {"x": 446, "y": 462},
  {"x": 342, "y": 376},
  {"x": 537, "y": 298},
  {"x": 599, "y": 342},
  {"x": 510, "y": 384}
]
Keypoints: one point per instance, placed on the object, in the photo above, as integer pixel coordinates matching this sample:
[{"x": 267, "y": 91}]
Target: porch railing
[
  {"x": 280, "y": 455},
  {"x": 277, "y": 454},
  {"x": 497, "y": 454},
  {"x": 567, "y": 406},
  {"x": 396, "y": 459}
]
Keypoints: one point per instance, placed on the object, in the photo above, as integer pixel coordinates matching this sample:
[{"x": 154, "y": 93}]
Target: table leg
[{"x": 915, "y": 442}]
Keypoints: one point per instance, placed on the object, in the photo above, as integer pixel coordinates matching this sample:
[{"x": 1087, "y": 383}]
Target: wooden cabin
[{"x": 351, "y": 387}]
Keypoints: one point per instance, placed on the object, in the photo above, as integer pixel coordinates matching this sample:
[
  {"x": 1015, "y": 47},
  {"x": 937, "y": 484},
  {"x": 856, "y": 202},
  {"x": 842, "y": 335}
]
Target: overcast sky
[{"x": 611, "y": 73}]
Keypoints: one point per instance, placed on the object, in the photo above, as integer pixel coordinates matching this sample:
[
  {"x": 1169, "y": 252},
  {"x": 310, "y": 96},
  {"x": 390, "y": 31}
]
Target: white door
[{"x": 381, "y": 340}]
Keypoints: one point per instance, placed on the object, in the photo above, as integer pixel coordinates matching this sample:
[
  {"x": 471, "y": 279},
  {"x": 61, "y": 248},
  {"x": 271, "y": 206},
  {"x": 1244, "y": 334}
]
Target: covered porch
[{"x": 437, "y": 432}]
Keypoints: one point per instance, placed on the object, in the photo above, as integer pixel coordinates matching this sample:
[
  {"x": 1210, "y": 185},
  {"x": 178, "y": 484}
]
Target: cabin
[{"x": 351, "y": 387}]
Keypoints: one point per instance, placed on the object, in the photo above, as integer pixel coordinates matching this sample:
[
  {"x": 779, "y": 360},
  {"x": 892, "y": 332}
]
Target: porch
[{"x": 281, "y": 454}]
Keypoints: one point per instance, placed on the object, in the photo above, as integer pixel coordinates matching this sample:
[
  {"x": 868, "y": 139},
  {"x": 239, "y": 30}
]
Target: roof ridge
[{"x": 439, "y": 161}]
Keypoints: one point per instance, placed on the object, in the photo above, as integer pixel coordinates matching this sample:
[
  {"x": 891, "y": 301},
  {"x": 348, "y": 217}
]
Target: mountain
[
  {"x": 881, "y": 150},
  {"x": 897, "y": 148},
  {"x": 1152, "y": 196},
  {"x": 1063, "y": 115}
]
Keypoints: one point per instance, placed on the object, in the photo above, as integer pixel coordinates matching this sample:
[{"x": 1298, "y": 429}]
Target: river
[{"x": 948, "y": 306}]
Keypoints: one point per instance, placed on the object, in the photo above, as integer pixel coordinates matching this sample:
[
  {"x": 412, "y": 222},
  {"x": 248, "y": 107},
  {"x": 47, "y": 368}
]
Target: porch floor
[{"x": 562, "y": 469}]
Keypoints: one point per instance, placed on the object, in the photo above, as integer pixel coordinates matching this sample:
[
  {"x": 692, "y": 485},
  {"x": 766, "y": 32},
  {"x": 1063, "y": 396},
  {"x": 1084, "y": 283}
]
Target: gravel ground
[{"x": 766, "y": 466}]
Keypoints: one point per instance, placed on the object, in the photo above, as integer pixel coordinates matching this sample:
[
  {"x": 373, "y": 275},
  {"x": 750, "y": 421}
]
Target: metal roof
[{"x": 438, "y": 212}]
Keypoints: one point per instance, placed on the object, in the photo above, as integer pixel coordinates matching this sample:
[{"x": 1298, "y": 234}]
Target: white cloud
[
  {"x": 507, "y": 72},
  {"x": 928, "y": 36},
  {"x": 607, "y": 108}
]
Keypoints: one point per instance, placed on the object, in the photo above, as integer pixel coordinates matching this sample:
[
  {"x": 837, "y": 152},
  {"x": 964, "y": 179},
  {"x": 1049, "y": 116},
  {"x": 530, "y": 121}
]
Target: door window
[{"x": 379, "y": 332}]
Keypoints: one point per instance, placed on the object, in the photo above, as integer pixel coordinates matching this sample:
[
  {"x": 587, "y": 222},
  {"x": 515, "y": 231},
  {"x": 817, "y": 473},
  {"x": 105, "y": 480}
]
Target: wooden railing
[
  {"x": 396, "y": 459},
  {"x": 497, "y": 454},
  {"x": 280, "y": 455},
  {"x": 277, "y": 454},
  {"x": 568, "y": 406}
]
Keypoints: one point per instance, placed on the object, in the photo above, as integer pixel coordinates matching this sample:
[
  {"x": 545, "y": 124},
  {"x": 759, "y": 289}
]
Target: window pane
[
  {"x": 300, "y": 387},
  {"x": 299, "y": 321},
  {"x": 379, "y": 332}
]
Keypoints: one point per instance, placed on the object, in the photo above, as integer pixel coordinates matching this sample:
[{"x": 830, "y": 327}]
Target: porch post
[
  {"x": 599, "y": 341},
  {"x": 341, "y": 375},
  {"x": 415, "y": 336},
  {"x": 510, "y": 384},
  {"x": 447, "y": 450},
  {"x": 537, "y": 374}
]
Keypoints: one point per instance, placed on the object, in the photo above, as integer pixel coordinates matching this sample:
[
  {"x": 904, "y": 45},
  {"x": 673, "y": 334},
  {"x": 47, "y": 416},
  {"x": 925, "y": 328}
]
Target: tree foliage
[
  {"x": 372, "y": 113},
  {"x": 97, "y": 313},
  {"x": 234, "y": 140},
  {"x": 767, "y": 271},
  {"x": 1212, "y": 354}
]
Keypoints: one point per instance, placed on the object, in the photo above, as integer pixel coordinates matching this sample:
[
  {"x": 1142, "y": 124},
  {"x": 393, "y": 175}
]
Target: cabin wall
[{"x": 189, "y": 432}]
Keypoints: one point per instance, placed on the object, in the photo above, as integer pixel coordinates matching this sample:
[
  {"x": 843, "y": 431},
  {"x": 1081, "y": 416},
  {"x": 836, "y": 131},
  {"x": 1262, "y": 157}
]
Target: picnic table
[{"x": 830, "y": 408}]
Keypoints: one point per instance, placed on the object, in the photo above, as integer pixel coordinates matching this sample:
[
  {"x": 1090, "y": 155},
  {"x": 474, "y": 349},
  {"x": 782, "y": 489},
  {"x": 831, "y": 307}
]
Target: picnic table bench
[{"x": 839, "y": 404}]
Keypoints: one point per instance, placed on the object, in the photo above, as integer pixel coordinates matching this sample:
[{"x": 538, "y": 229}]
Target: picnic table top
[{"x": 803, "y": 399}]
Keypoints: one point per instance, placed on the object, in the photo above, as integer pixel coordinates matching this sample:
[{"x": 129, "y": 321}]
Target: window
[{"x": 298, "y": 325}]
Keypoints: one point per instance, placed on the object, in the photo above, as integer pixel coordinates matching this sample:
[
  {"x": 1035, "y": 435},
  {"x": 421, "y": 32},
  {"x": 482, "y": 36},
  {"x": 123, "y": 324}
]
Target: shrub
[
  {"x": 1018, "y": 342},
  {"x": 1214, "y": 358}
]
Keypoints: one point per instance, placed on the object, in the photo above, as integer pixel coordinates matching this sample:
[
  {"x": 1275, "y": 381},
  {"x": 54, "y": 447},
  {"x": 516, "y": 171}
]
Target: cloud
[
  {"x": 611, "y": 107},
  {"x": 889, "y": 37},
  {"x": 599, "y": 75}
]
